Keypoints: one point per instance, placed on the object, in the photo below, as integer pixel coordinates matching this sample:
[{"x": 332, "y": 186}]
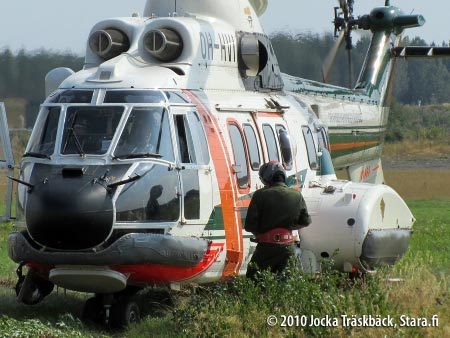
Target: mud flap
[
  {"x": 367, "y": 172},
  {"x": 6, "y": 162}
]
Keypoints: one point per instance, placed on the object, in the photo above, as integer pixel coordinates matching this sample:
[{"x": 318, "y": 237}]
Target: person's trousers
[{"x": 267, "y": 256}]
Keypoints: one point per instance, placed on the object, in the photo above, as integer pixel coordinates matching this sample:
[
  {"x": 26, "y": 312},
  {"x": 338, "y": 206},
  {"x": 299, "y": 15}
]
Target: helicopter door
[
  {"x": 194, "y": 164},
  {"x": 6, "y": 162}
]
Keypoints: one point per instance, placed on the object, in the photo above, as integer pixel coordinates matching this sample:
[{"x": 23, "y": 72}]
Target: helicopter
[{"x": 141, "y": 166}]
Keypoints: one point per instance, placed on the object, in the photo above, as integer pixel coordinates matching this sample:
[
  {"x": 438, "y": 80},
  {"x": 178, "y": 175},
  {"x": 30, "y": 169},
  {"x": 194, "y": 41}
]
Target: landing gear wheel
[
  {"x": 93, "y": 311},
  {"x": 124, "y": 312}
]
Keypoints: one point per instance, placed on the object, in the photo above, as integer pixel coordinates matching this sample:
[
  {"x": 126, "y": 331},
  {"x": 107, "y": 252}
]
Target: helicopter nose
[{"x": 72, "y": 213}]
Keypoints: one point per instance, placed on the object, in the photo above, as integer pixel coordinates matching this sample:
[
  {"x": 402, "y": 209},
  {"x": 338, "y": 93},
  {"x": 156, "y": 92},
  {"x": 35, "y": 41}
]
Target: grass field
[
  {"x": 240, "y": 309},
  {"x": 417, "y": 149}
]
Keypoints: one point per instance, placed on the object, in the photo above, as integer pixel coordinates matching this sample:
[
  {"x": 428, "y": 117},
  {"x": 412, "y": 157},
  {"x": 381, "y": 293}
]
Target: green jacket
[{"x": 274, "y": 207}]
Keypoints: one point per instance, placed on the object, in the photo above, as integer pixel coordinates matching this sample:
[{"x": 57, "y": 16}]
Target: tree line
[
  {"x": 417, "y": 82},
  {"x": 22, "y": 75}
]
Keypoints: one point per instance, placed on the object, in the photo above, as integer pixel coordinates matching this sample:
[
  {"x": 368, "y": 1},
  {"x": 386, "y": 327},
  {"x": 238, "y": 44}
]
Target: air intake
[
  {"x": 164, "y": 44},
  {"x": 109, "y": 43}
]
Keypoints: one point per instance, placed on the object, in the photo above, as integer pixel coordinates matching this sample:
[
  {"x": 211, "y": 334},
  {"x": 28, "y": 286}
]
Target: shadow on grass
[
  {"x": 50, "y": 308},
  {"x": 155, "y": 304}
]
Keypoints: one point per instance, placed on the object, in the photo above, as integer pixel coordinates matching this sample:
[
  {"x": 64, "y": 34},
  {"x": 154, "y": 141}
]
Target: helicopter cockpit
[
  {"x": 115, "y": 152},
  {"x": 89, "y": 127}
]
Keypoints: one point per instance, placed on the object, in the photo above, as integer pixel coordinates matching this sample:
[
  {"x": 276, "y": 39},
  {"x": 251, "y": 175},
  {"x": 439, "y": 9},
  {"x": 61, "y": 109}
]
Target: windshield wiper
[
  {"x": 37, "y": 155},
  {"x": 136, "y": 155},
  {"x": 77, "y": 142},
  {"x": 75, "y": 137}
]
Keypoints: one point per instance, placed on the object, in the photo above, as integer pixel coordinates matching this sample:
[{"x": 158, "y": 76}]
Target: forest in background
[{"x": 421, "y": 87}]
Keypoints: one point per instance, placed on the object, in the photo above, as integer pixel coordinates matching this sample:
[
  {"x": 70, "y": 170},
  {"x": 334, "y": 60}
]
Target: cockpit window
[
  {"x": 177, "y": 97},
  {"x": 44, "y": 136},
  {"x": 90, "y": 130},
  {"x": 147, "y": 134},
  {"x": 72, "y": 96},
  {"x": 134, "y": 96}
]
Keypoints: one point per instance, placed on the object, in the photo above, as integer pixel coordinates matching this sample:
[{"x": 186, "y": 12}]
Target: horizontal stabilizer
[{"x": 417, "y": 52}]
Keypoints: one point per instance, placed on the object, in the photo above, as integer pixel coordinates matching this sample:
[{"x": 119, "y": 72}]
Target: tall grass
[
  {"x": 239, "y": 307},
  {"x": 415, "y": 149}
]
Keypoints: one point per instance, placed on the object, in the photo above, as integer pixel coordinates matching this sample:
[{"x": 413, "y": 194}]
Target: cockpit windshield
[
  {"x": 90, "y": 130},
  {"x": 146, "y": 134},
  {"x": 44, "y": 135},
  {"x": 134, "y": 96},
  {"x": 72, "y": 96}
]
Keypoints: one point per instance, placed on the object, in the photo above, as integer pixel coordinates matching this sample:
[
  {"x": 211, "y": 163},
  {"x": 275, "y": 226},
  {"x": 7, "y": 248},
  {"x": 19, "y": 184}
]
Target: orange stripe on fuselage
[
  {"x": 226, "y": 181},
  {"x": 345, "y": 146}
]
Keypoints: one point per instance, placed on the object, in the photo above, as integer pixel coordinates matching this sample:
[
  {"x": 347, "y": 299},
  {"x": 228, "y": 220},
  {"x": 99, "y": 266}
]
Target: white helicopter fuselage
[{"x": 222, "y": 113}]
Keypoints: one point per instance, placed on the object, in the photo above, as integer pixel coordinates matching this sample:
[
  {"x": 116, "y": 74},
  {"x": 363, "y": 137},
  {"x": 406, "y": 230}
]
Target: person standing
[{"x": 274, "y": 212}]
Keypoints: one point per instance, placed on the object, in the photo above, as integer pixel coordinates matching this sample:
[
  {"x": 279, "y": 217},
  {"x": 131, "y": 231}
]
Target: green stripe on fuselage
[{"x": 215, "y": 220}]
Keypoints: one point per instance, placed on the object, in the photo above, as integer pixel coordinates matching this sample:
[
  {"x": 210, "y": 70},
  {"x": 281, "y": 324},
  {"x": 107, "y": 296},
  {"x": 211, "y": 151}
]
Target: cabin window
[
  {"x": 176, "y": 98},
  {"x": 310, "y": 147},
  {"x": 184, "y": 139},
  {"x": 146, "y": 133},
  {"x": 286, "y": 147},
  {"x": 72, "y": 96},
  {"x": 44, "y": 135},
  {"x": 240, "y": 158},
  {"x": 198, "y": 138},
  {"x": 323, "y": 139},
  {"x": 134, "y": 96},
  {"x": 271, "y": 143},
  {"x": 250, "y": 136},
  {"x": 90, "y": 130}
]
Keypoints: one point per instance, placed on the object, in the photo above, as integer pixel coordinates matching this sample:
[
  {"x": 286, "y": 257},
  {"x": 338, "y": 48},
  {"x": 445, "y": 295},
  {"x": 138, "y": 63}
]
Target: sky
[{"x": 65, "y": 25}]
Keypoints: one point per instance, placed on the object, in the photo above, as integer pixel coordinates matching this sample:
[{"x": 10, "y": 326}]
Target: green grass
[
  {"x": 431, "y": 238},
  {"x": 7, "y": 267},
  {"x": 240, "y": 308}
]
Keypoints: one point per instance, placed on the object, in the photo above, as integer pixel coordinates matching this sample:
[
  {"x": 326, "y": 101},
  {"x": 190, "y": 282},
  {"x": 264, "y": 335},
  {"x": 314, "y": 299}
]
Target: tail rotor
[{"x": 344, "y": 23}]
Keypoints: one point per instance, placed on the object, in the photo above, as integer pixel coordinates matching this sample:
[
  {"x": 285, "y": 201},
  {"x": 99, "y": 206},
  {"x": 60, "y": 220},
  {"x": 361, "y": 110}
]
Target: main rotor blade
[{"x": 331, "y": 57}]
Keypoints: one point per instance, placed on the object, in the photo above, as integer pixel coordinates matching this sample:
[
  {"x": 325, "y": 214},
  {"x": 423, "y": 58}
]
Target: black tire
[
  {"x": 93, "y": 311},
  {"x": 124, "y": 312}
]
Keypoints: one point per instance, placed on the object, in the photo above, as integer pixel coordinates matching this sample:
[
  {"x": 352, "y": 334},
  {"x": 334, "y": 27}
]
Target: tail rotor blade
[
  {"x": 344, "y": 7},
  {"x": 350, "y": 68},
  {"x": 331, "y": 57},
  {"x": 342, "y": 4}
]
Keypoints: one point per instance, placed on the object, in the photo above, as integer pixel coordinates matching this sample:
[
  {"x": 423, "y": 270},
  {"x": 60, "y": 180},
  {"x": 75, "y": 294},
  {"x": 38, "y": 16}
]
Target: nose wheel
[
  {"x": 124, "y": 312},
  {"x": 93, "y": 310},
  {"x": 116, "y": 311}
]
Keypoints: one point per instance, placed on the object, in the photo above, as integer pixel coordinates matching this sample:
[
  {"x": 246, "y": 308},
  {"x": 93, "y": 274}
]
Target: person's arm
[
  {"x": 304, "y": 218},
  {"x": 252, "y": 219}
]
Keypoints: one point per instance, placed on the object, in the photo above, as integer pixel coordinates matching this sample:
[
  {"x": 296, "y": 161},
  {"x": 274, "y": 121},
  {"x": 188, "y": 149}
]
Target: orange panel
[{"x": 225, "y": 179}]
